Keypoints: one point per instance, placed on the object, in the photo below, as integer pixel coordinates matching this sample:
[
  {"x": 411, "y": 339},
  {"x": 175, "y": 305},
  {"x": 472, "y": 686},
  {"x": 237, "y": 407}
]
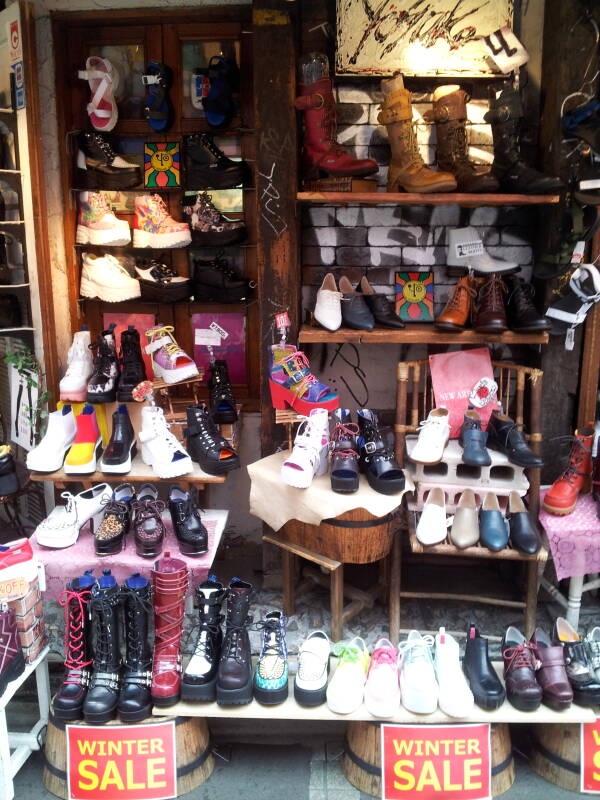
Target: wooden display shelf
[
  {"x": 417, "y": 333},
  {"x": 412, "y": 199}
]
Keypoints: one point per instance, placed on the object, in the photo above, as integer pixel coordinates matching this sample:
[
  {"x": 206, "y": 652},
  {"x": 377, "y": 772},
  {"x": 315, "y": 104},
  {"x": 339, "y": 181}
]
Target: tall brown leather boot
[
  {"x": 450, "y": 115},
  {"x": 407, "y": 170}
]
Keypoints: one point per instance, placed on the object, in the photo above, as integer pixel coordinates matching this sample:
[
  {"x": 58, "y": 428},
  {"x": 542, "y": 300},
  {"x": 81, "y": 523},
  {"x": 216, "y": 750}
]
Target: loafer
[
  {"x": 551, "y": 672},
  {"x": 355, "y": 311},
  {"x": 473, "y": 440},
  {"x": 485, "y": 684},
  {"x": 431, "y": 528},
  {"x": 522, "y": 530},
  {"x": 381, "y": 308},
  {"x": 506, "y": 436},
  {"x": 465, "y": 527},
  {"x": 522, "y": 689},
  {"x": 493, "y": 530}
]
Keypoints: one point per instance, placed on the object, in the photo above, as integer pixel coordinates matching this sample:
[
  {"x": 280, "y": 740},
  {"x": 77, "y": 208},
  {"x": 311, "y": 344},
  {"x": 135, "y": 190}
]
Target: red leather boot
[
  {"x": 321, "y": 152},
  {"x": 170, "y": 581},
  {"x": 561, "y": 497},
  {"x": 12, "y": 662}
]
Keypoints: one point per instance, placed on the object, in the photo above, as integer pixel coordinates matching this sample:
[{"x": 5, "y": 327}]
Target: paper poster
[{"x": 23, "y": 403}]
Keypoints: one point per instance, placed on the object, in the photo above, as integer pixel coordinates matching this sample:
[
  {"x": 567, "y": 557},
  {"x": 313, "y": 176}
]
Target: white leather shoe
[
  {"x": 61, "y": 526},
  {"x": 455, "y": 697},
  {"x": 310, "y": 683},
  {"x": 80, "y": 367},
  {"x": 433, "y": 437},
  {"x": 310, "y": 454},
  {"x": 465, "y": 249},
  {"x": 50, "y": 453},
  {"x": 418, "y": 685},
  {"x": 432, "y": 527},
  {"x": 465, "y": 526},
  {"x": 328, "y": 308},
  {"x": 160, "y": 448}
]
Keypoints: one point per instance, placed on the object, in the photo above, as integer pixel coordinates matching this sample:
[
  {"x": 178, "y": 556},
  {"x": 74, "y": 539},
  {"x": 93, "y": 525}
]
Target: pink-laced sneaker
[
  {"x": 96, "y": 223},
  {"x": 169, "y": 362},
  {"x": 382, "y": 691},
  {"x": 155, "y": 227}
]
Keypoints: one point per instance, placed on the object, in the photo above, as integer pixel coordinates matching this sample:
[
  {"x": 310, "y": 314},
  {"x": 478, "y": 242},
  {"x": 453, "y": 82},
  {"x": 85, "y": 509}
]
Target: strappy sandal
[
  {"x": 376, "y": 460},
  {"x": 309, "y": 456},
  {"x": 224, "y": 79},
  {"x": 572, "y": 309},
  {"x": 103, "y": 79},
  {"x": 158, "y": 110}
]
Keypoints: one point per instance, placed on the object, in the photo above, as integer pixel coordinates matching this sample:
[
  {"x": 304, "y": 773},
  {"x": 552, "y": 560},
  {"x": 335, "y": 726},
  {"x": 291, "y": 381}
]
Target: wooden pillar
[
  {"x": 590, "y": 355},
  {"x": 276, "y": 184}
]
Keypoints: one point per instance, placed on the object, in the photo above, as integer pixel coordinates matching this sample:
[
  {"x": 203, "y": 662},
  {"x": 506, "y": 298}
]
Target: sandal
[
  {"x": 224, "y": 79},
  {"x": 376, "y": 460},
  {"x": 309, "y": 456},
  {"x": 103, "y": 79},
  {"x": 344, "y": 452},
  {"x": 158, "y": 110},
  {"x": 572, "y": 309}
]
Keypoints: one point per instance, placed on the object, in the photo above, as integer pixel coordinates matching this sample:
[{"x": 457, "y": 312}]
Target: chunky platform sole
[
  {"x": 187, "y": 549},
  {"x": 93, "y": 180},
  {"x": 114, "y": 237},
  {"x": 521, "y": 704},
  {"x": 88, "y": 467},
  {"x": 165, "y": 702},
  {"x": 153, "y": 292},
  {"x": 212, "y": 294},
  {"x": 135, "y": 716},
  {"x": 101, "y": 717},
  {"x": 235, "y": 697},
  {"x": 171, "y": 470},
  {"x": 216, "y": 238},
  {"x": 76, "y": 396},
  {"x": 54, "y": 542},
  {"x": 199, "y": 178},
  {"x": 67, "y": 715},
  {"x": 586, "y": 698},
  {"x": 271, "y": 697},
  {"x": 110, "y": 549},
  {"x": 204, "y": 693},
  {"x": 119, "y": 469},
  {"x": 310, "y": 697},
  {"x": 225, "y": 417},
  {"x": 161, "y": 240},
  {"x": 385, "y": 486},
  {"x": 102, "y": 397},
  {"x": 282, "y": 398},
  {"x": 16, "y": 669},
  {"x": 488, "y": 704},
  {"x": 177, "y": 375},
  {"x": 219, "y": 468},
  {"x": 149, "y": 551},
  {"x": 109, "y": 294},
  {"x": 559, "y": 512},
  {"x": 51, "y": 466},
  {"x": 344, "y": 485}
]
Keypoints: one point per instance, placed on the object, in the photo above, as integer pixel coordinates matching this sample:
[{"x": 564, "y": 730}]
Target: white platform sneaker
[
  {"x": 328, "y": 308},
  {"x": 433, "y": 438},
  {"x": 465, "y": 249},
  {"x": 309, "y": 456},
  {"x": 418, "y": 685},
  {"x": 160, "y": 448},
  {"x": 107, "y": 279},
  {"x": 310, "y": 683},
  {"x": 50, "y": 453},
  {"x": 382, "y": 692},
  {"x": 80, "y": 367},
  {"x": 455, "y": 697},
  {"x": 62, "y": 525}
]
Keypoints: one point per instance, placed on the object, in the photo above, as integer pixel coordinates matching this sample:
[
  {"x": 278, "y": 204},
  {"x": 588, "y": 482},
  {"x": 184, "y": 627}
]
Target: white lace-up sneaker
[
  {"x": 50, "y": 453},
  {"x": 465, "y": 249},
  {"x": 328, "y": 308},
  {"x": 106, "y": 278},
  {"x": 310, "y": 683},
  {"x": 310, "y": 454},
  {"x": 382, "y": 692},
  {"x": 418, "y": 687},
  {"x": 62, "y": 525},
  {"x": 97, "y": 224},
  {"x": 80, "y": 366},
  {"x": 433, "y": 438},
  {"x": 346, "y": 689},
  {"x": 160, "y": 448},
  {"x": 455, "y": 697}
]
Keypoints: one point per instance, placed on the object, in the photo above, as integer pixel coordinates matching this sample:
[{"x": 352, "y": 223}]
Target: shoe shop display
[
  {"x": 466, "y": 249},
  {"x": 522, "y": 528},
  {"x": 328, "y": 306},
  {"x": 222, "y": 401},
  {"x": 293, "y": 385},
  {"x": 344, "y": 452},
  {"x": 187, "y": 523},
  {"x": 380, "y": 307},
  {"x": 50, "y": 453},
  {"x": 376, "y": 459},
  {"x": 160, "y": 283},
  {"x": 346, "y": 689},
  {"x": 561, "y": 497},
  {"x": 206, "y": 446},
  {"x": 465, "y": 524},
  {"x": 105, "y": 278},
  {"x": 109, "y": 537},
  {"x": 455, "y": 698},
  {"x": 103, "y": 80},
  {"x": 571, "y": 310},
  {"x": 158, "y": 109},
  {"x": 134, "y": 703},
  {"x": 100, "y": 167},
  {"x": 270, "y": 685},
  {"x": 9, "y": 480},
  {"x": 521, "y": 315},
  {"x": 97, "y": 224},
  {"x": 592, "y": 640},
  {"x": 507, "y": 437},
  {"x": 488, "y": 691},
  {"x": 490, "y": 315},
  {"x": 473, "y": 441},
  {"x": 102, "y": 385},
  {"x": 100, "y": 704},
  {"x": 169, "y": 363},
  {"x": 207, "y": 166},
  {"x": 433, "y": 437},
  {"x": 67, "y": 703},
  {"x": 458, "y": 310},
  {"x": 80, "y": 368},
  {"x": 62, "y": 525},
  {"x": 121, "y": 449},
  {"x": 234, "y": 674},
  {"x": 83, "y": 453},
  {"x": 382, "y": 690},
  {"x": 169, "y": 587},
  {"x": 450, "y": 117},
  {"x": 148, "y": 526},
  {"x": 210, "y": 228},
  {"x": 513, "y": 174},
  {"x": 551, "y": 673},
  {"x": 12, "y": 662},
  {"x": 155, "y": 227},
  {"x": 310, "y": 454},
  {"x": 493, "y": 527},
  {"x": 356, "y": 314},
  {"x": 432, "y": 526},
  {"x": 312, "y": 674},
  {"x": 199, "y": 680},
  {"x": 419, "y": 688},
  {"x": 133, "y": 369},
  {"x": 215, "y": 281},
  {"x": 579, "y": 655},
  {"x": 520, "y": 664}
]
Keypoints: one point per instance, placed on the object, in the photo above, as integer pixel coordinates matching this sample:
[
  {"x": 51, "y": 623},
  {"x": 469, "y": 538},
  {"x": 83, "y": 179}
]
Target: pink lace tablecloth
[
  {"x": 574, "y": 539},
  {"x": 62, "y": 565}
]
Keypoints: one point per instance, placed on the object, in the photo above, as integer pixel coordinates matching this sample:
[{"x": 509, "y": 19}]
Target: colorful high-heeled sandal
[
  {"x": 293, "y": 384},
  {"x": 310, "y": 454}
]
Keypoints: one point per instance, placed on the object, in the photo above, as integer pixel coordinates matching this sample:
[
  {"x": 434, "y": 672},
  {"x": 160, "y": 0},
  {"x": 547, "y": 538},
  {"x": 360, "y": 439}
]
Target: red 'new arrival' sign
[
  {"x": 434, "y": 761},
  {"x": 590, "y": 757},
  {"x": 132, "y": 762}
]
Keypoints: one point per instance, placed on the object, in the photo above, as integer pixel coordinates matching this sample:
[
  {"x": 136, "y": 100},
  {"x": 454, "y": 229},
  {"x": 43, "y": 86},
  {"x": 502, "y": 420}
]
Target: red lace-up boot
[
  {"x": 561, "y": 497},
  {"x": 68, "y": 701},
  {"x": 170, "y": 581},
  {"x": 321, "y": 152},
  {"x": 12, "y": 662}
]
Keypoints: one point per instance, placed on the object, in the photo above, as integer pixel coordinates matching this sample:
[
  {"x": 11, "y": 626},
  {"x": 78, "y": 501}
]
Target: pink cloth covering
[
  {"x": 62, "y": 565},
  {"x": 574, "y": 539}
]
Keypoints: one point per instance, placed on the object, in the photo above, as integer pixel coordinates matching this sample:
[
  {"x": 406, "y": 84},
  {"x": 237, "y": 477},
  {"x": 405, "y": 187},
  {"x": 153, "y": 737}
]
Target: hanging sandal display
[
  {"x": 103, "y": 80},
  {"x": 158, "y": 79},
  {"x": 572, "y": 309}
]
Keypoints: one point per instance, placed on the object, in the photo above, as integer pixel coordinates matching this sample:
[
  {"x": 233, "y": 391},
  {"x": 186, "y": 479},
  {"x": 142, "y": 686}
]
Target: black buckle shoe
[
  {"x": 376, "y": 459},
  {"x": 205, "y": 444}
]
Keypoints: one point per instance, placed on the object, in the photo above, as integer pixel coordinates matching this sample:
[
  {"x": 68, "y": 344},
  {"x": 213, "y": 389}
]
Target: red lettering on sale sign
[
  {"x": 133, "y": 762},
  {"x": 590, "y": 757},
  {"x": 434, "y": 761}
]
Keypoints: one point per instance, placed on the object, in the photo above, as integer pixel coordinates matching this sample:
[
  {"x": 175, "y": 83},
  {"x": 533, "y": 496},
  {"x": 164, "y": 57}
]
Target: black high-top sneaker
[
  {"x": 207, "y": 166},
  {"x": 121, "y": 449},
  {"x": 222, "y": 401},
  {"x": 215, "y": 281},
  {"x": 208, "y": 225},
  {"x": 68, "y": 700},
  {"x": 102, "y": 697},
  {"x": 102, "y": 386},
  {"x": 205, "y": 444},
  {"x": 199, "y": 681},
  {"x": 135, "y": 703},
  {"x": 161, "y": 284},
  {"x": 133, "y": 369},
  {"x": 234, "y": 675},
  {"x": 99, "y": 167}
]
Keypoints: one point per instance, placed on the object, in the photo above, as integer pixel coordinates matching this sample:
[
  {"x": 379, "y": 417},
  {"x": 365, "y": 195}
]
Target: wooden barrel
[
  {"x": 355, "y": 537},
  {"x": 361, "y": 763},
  {"x": 195, "y": 761},
  {"x": 556, "y": 754}
]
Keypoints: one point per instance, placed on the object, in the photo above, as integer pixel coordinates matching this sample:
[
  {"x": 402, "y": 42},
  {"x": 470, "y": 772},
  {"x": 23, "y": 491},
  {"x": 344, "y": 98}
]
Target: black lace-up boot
[
  {"x": 222, "y": 401},
  {"x": 99, "y": 167},
  {"x": 101, "y": 701},
  {"x": 205, "y": 444},
  {"x": 133, "y": 369},
  {"x": 234, "y": 676},
  {"x": 199, "y": 682},
  {"x": 207, "y": 166},
  {"x": 102, "y": 386},
  {"x": 215, "y": 281},
  {"x": 135, "y": 703},
  {"x": 522, "y": 316}
]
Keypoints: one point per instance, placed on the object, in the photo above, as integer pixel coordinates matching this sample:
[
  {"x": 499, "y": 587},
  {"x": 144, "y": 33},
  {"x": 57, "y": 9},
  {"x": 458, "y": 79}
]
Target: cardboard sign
[
  {"x": 590, "y": 757},
  {"x": 505, "y": 50},
  {"x": 133, "y": 762},
  {"x": 15, "y": 43},
  {"x": 434, "y": 761}
]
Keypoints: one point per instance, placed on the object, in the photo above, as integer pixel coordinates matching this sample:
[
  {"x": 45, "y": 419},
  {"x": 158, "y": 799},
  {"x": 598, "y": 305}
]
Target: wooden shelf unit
[
  {"x": 412, "y": 199},
  {"x": 417, "y": 333}
]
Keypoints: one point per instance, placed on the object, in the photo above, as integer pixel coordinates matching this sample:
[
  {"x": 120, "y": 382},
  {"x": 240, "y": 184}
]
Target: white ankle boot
[
  {"x": 80, "y": 367},
  {"x": 465, "y": 249},
  {"x": 50, "y": 453},
  {"x": 160, "y": 448},
  {"x": 309, "y": 456}
]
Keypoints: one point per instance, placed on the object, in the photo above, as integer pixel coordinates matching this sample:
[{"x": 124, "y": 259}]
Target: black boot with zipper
[
  {"x": 133, "y": 369},
  {"x": 481, "y": 675},
  {"x": 135, "y": 703},
  {"x": 234, "y": 676}
]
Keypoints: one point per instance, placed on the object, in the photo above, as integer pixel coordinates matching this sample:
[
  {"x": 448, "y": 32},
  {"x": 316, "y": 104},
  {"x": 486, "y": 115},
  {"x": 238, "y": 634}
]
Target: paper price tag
[
  {"x": 282, "y": 320},
  {"x": 578, "y": 253},
  {"x": 214, "y": 326},
  {"x": 207, "y": 337}
]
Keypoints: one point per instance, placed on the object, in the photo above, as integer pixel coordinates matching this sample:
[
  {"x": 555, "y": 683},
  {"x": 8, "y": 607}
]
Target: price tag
[
  {"x": 207, "y": 337},
  {"x": 13, "y": 587},
  {"x": 578, "y": 253},
  {"x": 282, "y": 320},
  {"x": 214, "y": 326}
]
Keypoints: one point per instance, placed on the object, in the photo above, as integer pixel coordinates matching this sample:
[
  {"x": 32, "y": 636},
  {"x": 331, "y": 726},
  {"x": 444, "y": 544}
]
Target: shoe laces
[
  {"x": 102, "y": 356},
  {"x": 408, "y": 137},
  {"x": 522, "y": 296},
  {"x": 522, "y": 655},
  {"x": 577, "y": 456},
  {"x": 145, "y": 509},
  {"x": 172, "y": 348},
  {"x": 273, "y": 637},
  {"x": 493, "y": 290},
  {"x": 210, "y": 145},
  {"x": 163, "y": 271},
  {"x": 100, "y": 142},
  {"x": 232, "y": 642},
  {"x": 309, "y": 432},
  {"x": 454, "y": 304},
  {"x": 207, "y": 206},
  {"x": 383, "y": 656},
  {"x": 457, "y": 136},
  {"x": 135, "y": 604},
  {"x": 75, "y": 603},
  {"x": 417, "y": 649},
  {"x": 349, "y": 653},
  {"x": 114, "y": 507},
  {"x": 101, "y": 609}
]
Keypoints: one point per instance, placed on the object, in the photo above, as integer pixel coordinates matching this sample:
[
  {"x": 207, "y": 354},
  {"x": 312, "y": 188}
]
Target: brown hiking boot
[{"x": 457, "y": 311}]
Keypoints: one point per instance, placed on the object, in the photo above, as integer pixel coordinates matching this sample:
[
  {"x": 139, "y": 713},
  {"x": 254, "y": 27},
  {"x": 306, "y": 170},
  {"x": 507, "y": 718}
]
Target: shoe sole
[
  {"x": 111, "y": 550},
  {"x": 191, "y": 550},
  {"x": 88, "y": 467},
  {"x": 228, "y": 465},
  {"x": 155, "y": 293},
  {"x": 109, "y": 294},
  {"x": 100, "y": 719},
  {"x": 173, "y": 470},
  {"x": 524, "y": 705},
  {"x": 135, "y": 716},
  {"x": 205, "y": 693},
  {"x": 559, "y": 512},
  {"x": 89, "y": 180},
  {"x": 161, "y": 240},
  {"x": 235, "y": 697},
  {"x": 120, "y": 469},
  {"x": 108, "y": 238},
  {"x": 55, "y": 465},
  {"x": 271, "y": 697},
  {"x": 225, "y": 417},
  {"x": 74, "y": 397},
  {"x": 164, "y": 702},
  {"x": 418, "y": 703},
  {"x": 442, "y": 186},
  {"x": 310, "y": 697},
  {"x": 102, "y": 397},
  {"x": 384, "y": 710},
  {"x": 70, "y": 715},
  {"x": 212, "y": 238},
  {"x": 341, "y": 708},
  {"x": 212, "y": 179},
  {"x": 177, "y": 375},
  {"x": 53, "y": 543}
]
